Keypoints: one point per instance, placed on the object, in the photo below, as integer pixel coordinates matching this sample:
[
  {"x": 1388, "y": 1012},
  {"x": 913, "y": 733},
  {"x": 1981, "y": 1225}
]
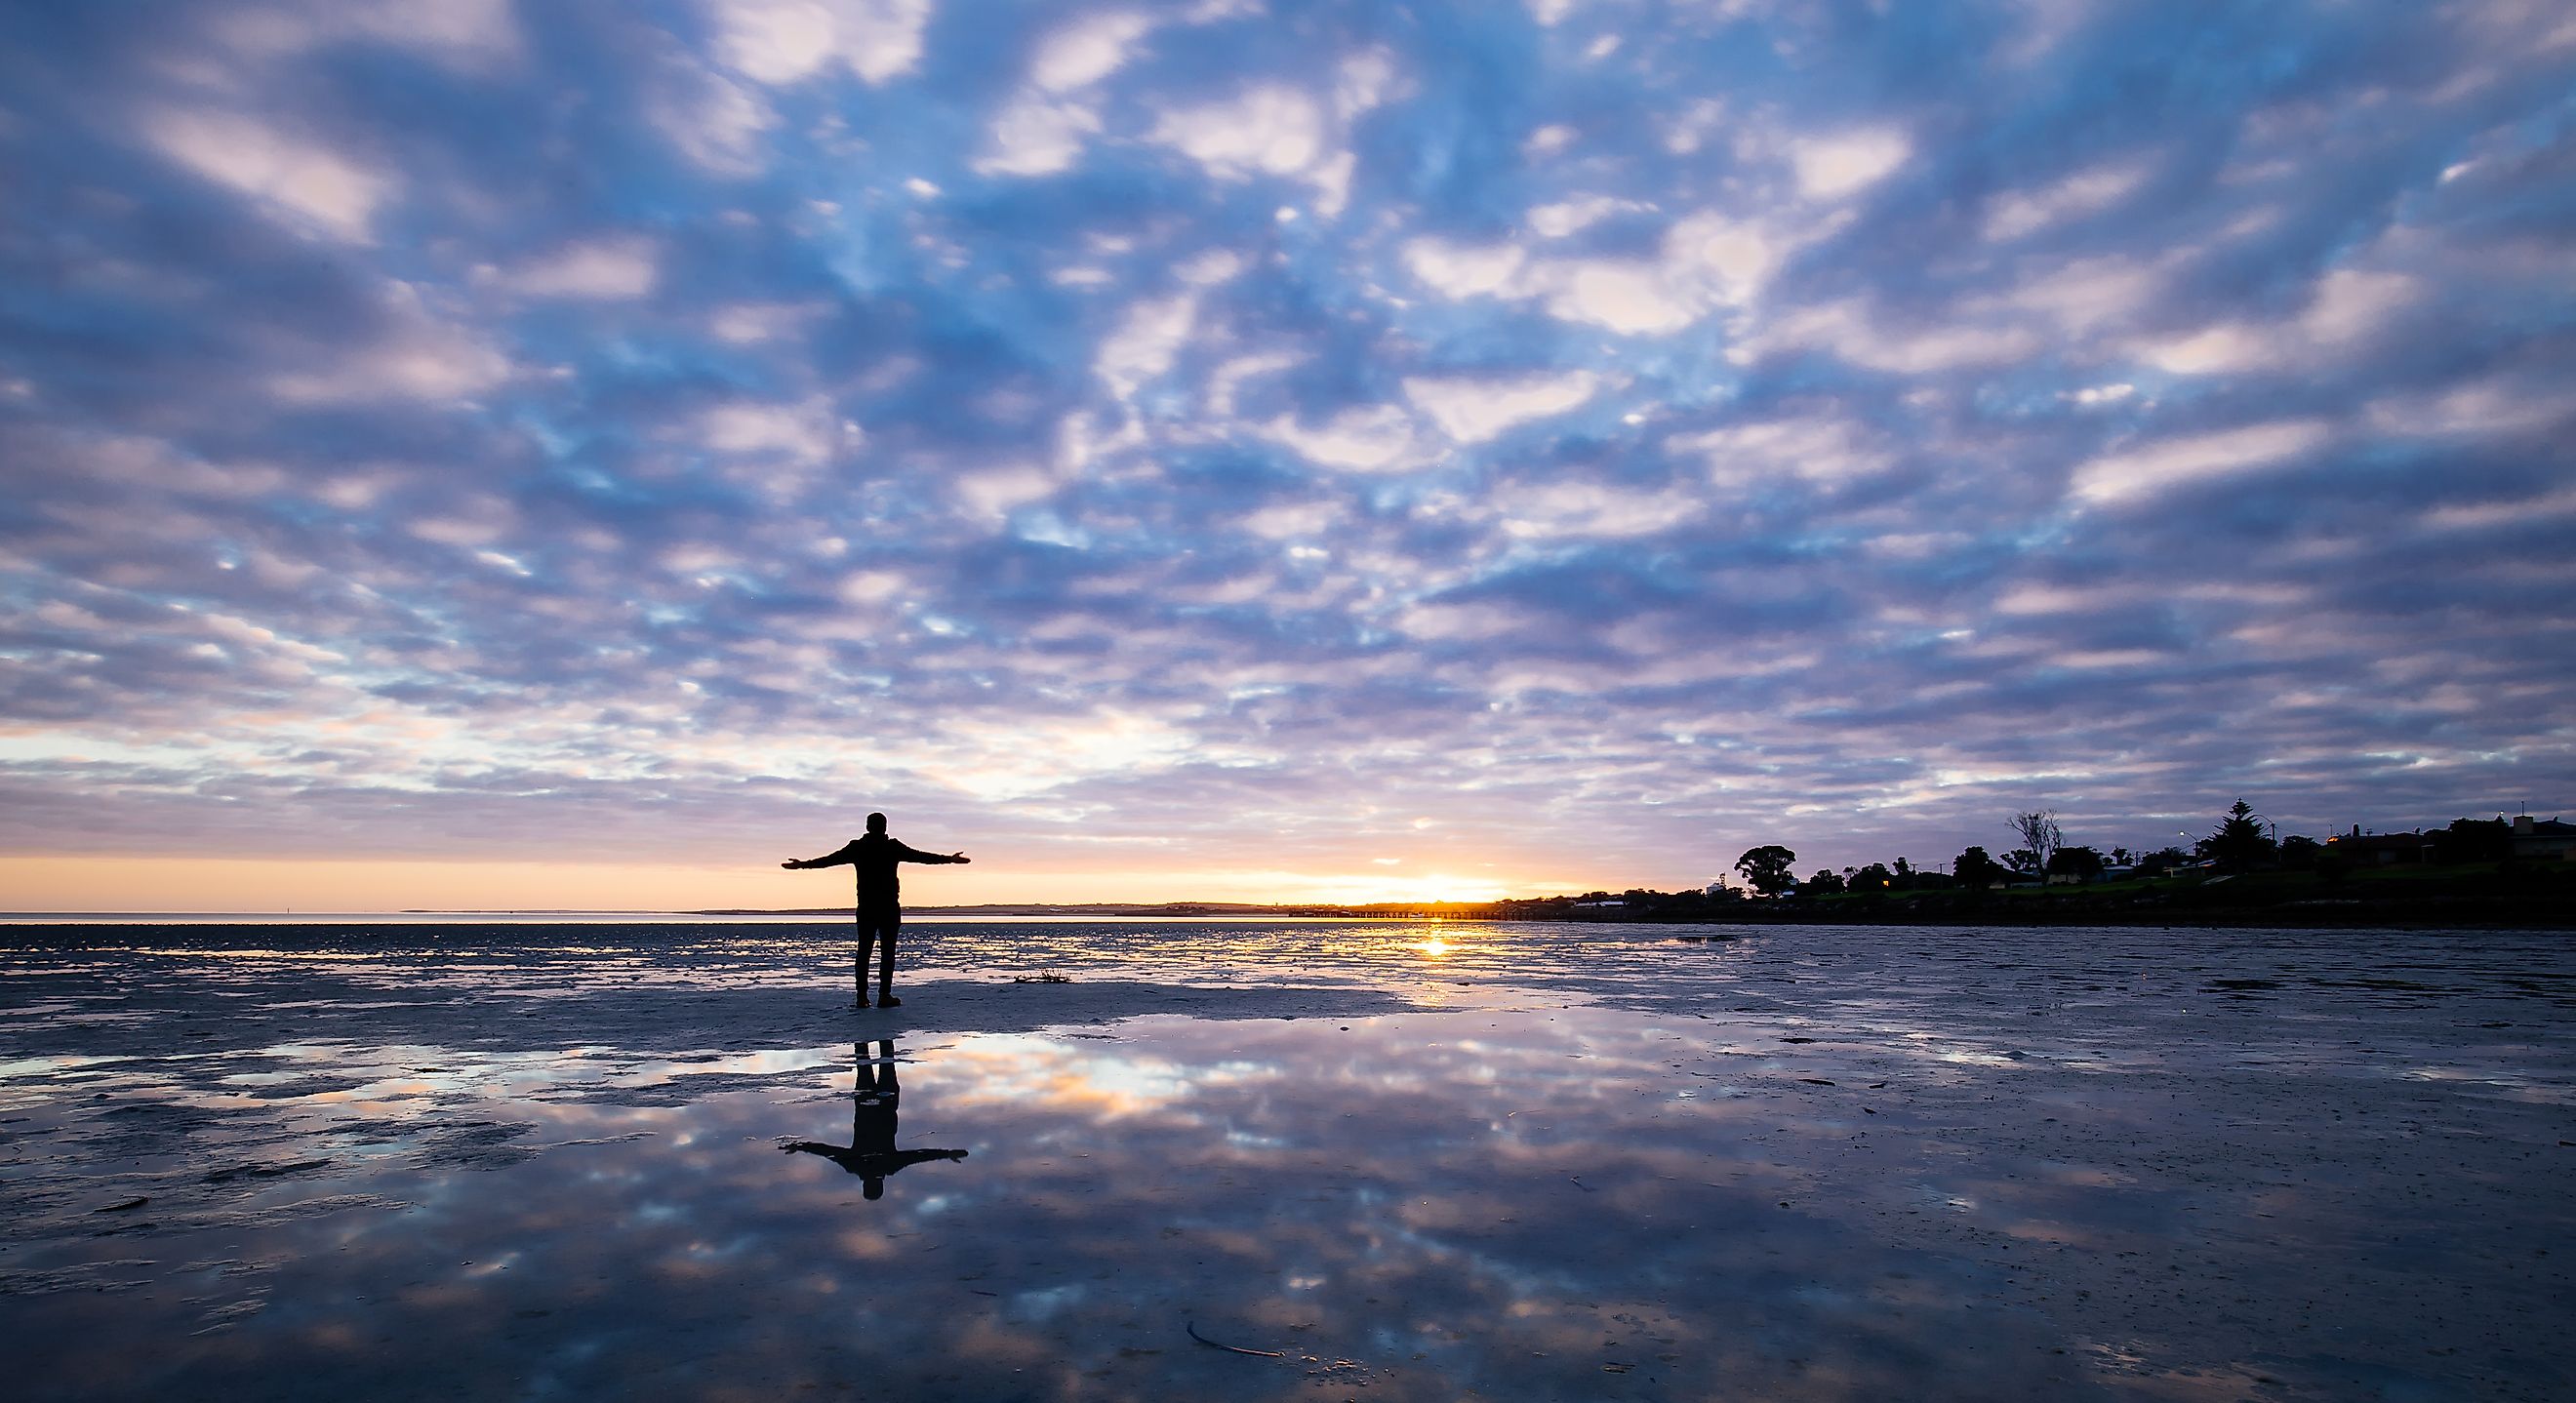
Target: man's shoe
[
  {"x": 888, "y": 1001},
  {"x": 860, "y": 1004}
]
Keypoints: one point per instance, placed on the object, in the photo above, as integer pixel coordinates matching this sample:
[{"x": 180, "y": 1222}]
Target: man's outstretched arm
[
  {"x": 831, "y": 859},
  {"x": 913, "y": 854}
]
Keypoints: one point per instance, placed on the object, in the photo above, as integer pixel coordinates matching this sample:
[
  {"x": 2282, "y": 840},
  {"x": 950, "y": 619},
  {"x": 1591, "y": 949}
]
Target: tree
[
  {"x": 2081, "y": 863},
  {"x": 2040, "y": 835},
  {"x": 1767, "y": 868},
  {"x": 1874, "y": 877},
  {"x": 2299, "y": 853},
  {"x": 2161, "y": 861},
  {"x": 2473, "y": 840},
  {"x": 2239, "y": 842},
  {"x": 1826, "y": 882},
  {"x": 1975, "y": 869}
]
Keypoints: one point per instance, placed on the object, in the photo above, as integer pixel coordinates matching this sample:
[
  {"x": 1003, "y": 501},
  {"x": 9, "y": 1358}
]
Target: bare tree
[{"x": 2039, "y": 832}]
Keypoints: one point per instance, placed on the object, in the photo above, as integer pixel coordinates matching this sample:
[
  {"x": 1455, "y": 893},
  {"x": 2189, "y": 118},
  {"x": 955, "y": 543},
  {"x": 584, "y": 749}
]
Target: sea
[{"x": 544, "y": 1157}]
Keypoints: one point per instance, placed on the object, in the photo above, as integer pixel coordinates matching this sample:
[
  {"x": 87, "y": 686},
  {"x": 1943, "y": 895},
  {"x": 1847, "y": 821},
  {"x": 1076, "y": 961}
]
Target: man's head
[{"x": 876, "y": 823}]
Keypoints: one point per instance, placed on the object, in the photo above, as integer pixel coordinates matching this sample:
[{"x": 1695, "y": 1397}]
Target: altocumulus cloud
[{"x": 1585, "y": 439}]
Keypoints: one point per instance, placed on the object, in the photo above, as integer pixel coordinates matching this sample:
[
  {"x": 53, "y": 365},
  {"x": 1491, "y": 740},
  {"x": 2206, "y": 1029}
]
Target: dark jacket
[{"x": 873, "y": 859}]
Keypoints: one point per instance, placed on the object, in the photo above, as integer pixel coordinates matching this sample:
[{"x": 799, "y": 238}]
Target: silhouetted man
[
  {"x": 872, "y": 860},
  {"x": 871, "y": 1153}
]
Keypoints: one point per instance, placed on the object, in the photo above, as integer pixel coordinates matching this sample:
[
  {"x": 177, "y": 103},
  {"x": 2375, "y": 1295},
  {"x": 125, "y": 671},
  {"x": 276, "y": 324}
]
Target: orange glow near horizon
[{"x": 87, "y": 883}]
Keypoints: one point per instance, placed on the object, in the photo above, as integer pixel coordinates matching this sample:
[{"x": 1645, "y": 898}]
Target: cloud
[
  {"x": 2346, "y": 310},
  {"x": 1559, "y": 511},
  {"x": 789, "y": 41},
  {"x": 1369, "y": 438},
  {"x": 1146, "y": 343},
  {"x": 2500, "y": 406},
  {"x": 802, "y": 433},
  {"x": 1819, "y": 447},
  {"x": 1457, "y": 271},
  {"x": 1086, "y": 51},
  {"x": 586, "y": 425},
  {"x": 307, "y": 183},
  {"x": 1858, "y": 335},
  {"x": 2019, "y": 214},
  {"x": 1269, "y": 130},
  {"x": 1474, "y": 410},
  {"x": 411, "y": 354},
  {"x": 615, "y": 269},
  {"x": 1843, "y": 164},
  {"x": 1568, "y": 217},
  {"x": 2194, "y": 459},
  {"x": 1043, "y": 130},
  {"x": 719, "y": 124},
  {"x": 1705, "y": 262},
  {"x": 471, "y": 34},
  {"x": 1037, "y": 137}
]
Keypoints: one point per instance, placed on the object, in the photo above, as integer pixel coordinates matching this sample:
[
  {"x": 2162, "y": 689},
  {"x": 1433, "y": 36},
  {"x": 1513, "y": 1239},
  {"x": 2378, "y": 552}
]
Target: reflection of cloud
[
  {"x": 1038, "y": 1071},
  {"x": 1526, "y": 1183}
]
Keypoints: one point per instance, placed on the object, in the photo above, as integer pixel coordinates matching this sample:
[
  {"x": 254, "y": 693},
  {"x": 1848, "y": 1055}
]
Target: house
[
  {"x": 2543, "y": 840},
  {"x": 2381, "y": 849}
]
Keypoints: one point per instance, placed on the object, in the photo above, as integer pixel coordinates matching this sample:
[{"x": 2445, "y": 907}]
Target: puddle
[{"x": 1661, "y": 1174}]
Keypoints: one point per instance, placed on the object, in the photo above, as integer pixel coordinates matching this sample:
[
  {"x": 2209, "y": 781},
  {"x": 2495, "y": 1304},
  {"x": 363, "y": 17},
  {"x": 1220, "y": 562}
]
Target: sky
[{"x": 582, "y": 452}]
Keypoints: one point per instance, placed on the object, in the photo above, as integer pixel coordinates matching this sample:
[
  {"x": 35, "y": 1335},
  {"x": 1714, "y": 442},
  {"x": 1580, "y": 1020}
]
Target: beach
[{"x": 1285, "y": 1159}]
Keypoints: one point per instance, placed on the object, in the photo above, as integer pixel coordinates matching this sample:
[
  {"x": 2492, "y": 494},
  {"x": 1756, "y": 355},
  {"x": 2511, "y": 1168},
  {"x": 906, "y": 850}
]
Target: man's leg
[
  {"x": 885, "y": 967},
  {"x": 859, "y": 978}
]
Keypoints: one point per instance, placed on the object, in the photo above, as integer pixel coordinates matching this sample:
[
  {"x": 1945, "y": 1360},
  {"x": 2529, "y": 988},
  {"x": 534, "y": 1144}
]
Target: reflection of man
[
  {"x": 872, "y": 861},
  {"x": 871, "y": 1153}
]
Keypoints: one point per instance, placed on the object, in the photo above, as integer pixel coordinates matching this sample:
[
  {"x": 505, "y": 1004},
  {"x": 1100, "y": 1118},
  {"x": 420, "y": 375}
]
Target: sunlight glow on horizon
[{"x": 357, "y": 886}]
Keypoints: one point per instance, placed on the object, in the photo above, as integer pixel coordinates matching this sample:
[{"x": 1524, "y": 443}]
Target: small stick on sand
[{"x": 1230, "y": 1349}]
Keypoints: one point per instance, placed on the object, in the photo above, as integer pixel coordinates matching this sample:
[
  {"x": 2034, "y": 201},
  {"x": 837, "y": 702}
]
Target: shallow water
[{"x": 1396, "y": 1161}]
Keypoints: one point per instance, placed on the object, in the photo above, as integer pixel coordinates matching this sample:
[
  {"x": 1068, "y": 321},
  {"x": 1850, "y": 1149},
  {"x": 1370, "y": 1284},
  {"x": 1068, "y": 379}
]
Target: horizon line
[{"x": 995, "y": 907}]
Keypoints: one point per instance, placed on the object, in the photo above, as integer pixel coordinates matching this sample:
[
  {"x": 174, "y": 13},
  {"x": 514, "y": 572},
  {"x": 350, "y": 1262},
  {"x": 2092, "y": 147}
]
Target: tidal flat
[{"x": 1285, "y": 1159}]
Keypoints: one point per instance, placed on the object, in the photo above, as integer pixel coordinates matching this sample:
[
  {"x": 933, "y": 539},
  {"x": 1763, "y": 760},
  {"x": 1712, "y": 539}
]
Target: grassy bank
[{"x": 2487, "y": 894}]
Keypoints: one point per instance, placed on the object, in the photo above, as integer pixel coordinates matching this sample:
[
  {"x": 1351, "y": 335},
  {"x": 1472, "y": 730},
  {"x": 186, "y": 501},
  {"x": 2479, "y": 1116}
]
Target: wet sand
[{"x": 1393, "y": 1161}]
